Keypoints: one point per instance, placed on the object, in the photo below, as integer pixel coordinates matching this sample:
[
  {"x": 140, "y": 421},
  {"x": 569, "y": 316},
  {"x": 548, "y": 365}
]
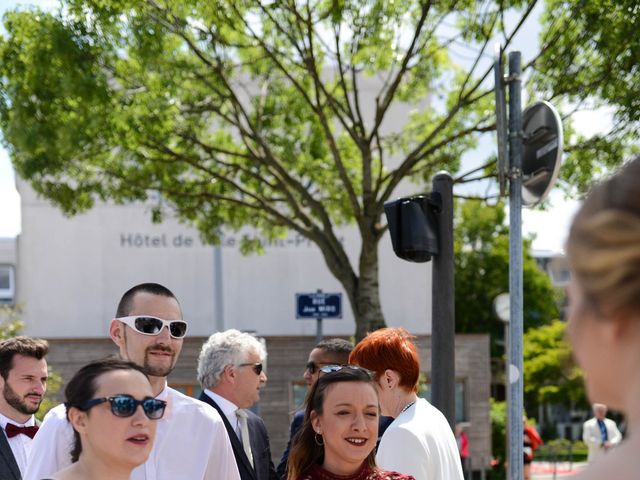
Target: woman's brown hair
[{"x": 307, "y": 450}]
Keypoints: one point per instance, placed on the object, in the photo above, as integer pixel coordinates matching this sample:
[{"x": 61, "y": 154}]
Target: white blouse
[{"x": 420, "y": 442}]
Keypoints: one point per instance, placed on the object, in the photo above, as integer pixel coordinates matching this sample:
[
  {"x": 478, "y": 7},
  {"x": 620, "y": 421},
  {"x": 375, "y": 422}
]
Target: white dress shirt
[
  {"x": 420, "y": 442},
  {"x": 191, "y": 443},
  {"x": 20, "y": 444},
  {"x": 228, "y": 408}
]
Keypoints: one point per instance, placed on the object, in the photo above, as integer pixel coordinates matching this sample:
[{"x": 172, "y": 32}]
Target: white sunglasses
[{"x": 148, "y": 325}]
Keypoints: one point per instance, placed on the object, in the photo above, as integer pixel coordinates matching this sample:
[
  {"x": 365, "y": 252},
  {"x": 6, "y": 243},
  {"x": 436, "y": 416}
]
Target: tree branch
[{"x": 381, "y": 108}]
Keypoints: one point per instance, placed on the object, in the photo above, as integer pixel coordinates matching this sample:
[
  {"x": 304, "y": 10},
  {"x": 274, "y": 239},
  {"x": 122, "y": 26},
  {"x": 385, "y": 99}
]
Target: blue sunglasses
[{"x": 123, "y": 405}]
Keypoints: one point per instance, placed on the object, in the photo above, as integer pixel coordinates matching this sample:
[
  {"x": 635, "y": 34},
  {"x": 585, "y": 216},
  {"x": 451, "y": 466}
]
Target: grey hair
[{"x": 230, "y": 347}]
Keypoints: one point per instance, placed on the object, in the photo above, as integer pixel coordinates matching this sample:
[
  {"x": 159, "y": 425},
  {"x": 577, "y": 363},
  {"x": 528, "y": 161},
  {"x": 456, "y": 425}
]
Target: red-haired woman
[{"x": 419, "y": 441}]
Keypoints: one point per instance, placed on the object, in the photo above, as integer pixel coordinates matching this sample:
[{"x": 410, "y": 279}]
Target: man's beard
[
  {"x": 17, "y": 402},
  {"x": 155, "y": 371},
  {"x": 150, "y": 370}
]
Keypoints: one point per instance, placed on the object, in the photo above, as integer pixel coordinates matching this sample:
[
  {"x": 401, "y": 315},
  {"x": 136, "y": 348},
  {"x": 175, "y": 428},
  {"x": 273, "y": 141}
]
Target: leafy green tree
[
  {"x": 593, "y": 63},
  {"x": 272, "y": 115},
  {"x": 498, "y": 415},
  {"x": 550, "y": 373},
  {"x": 481, "y": 251},
  {"x": 10, "y": 323}
]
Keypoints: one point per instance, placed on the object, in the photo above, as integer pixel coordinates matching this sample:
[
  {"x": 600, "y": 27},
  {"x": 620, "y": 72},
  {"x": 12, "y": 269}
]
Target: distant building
[
  {"x": 556, "y": 265},
  {"x": 7, "y": 271}
]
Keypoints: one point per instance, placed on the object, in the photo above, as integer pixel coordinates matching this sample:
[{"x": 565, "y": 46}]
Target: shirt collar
[
  {"x": 4, "y": 420},
  {"x": 164, "y": 395},
  {"x": 227, "y": 407}
]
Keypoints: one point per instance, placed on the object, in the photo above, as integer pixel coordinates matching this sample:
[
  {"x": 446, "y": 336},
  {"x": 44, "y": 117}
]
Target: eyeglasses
[
  {"x": 337, "y": 368},
  {"x": 314, "y": 367},
  {"x": 148, "y": 325},
  {"x": 257, "y": 367},
  {"x": 123, "y": 405}
]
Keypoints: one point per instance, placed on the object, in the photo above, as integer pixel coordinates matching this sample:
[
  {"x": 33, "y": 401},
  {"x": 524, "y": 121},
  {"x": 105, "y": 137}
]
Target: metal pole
[
  {"x": 218, "y": 288},
  {"x": 507, "y": 389},
  {"x": 318, "y": 324},
  {"x": 318, "y": 330},
  {"x": 443, "y": 319},
  {"x": 515, "y": 269}
]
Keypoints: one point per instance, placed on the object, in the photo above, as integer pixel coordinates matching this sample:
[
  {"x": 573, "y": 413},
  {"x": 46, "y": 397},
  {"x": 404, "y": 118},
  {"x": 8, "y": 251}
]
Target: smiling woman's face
[
  {"x": 123, "y": 442},
  {"x": 348, "y": 425}
]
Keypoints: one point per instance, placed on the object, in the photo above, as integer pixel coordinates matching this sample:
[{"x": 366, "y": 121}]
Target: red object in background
[
  {"x": 532, "y": 441},
  {"x": 534, "y": 437},
  {"x": 463, "y": 444}
]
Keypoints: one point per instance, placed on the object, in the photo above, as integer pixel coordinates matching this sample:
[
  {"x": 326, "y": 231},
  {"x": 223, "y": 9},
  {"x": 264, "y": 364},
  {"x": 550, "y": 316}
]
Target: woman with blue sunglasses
[{"x": 111, "y": 407}]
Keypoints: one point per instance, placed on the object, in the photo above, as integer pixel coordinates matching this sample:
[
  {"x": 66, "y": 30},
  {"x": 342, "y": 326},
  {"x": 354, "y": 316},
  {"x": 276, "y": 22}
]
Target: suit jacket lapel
[
  {"x": 6, "y": 456},
  {"x": 236, "y": 444}
]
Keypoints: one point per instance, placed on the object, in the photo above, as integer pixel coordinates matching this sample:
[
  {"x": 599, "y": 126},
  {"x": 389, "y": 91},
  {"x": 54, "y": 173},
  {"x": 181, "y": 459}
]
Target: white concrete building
[{"x": 82, "y": 265}]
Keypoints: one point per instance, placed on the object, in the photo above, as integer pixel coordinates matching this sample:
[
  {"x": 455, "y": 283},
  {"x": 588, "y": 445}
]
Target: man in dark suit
[
  {"x": 230, "y": 370},
  {"x": 23, "y": 381}
]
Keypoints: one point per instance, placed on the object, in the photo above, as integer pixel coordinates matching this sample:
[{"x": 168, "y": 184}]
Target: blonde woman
[{"x": 604, "y": 309}]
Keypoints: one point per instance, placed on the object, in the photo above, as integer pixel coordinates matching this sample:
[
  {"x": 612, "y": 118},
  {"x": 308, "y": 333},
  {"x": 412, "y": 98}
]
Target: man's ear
[
  {"x": 229, "y": 374},
  {"x": 116, "y": 332},
  {"x": 78, "y": 420}
]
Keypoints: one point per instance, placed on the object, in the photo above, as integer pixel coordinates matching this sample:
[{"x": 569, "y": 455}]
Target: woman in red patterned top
[{"x": 338, "y": 438}]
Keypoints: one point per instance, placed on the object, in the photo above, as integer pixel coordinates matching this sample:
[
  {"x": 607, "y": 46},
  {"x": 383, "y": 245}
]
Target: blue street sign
[{"x": 318, "y": 305}]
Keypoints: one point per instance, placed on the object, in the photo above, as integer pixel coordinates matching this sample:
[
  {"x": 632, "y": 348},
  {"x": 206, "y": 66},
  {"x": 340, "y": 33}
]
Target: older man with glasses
[
  {"x": 230, "y": 370},
  {"x": 191, "y": 440}
]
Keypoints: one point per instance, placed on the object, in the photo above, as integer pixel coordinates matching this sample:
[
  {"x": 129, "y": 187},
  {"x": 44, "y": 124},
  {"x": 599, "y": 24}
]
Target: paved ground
[{"x": 550, "y": 471}]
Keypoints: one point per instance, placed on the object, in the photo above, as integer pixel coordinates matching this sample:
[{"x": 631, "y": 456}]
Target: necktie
[
  {"x": 603, "y": 431},
  {"x": 13, "y": 430},
  {"x": 244, "y": 434}
]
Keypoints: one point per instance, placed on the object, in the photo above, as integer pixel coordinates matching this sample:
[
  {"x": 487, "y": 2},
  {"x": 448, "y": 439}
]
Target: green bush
[
  {"x": 562, "y": 450},
  {"x": 498, "y": 416}
]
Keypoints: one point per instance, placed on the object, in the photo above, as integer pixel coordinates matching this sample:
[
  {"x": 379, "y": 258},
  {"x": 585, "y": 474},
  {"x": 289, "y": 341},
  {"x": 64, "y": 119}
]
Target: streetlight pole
[
  {"x": 514, "y": 375},
  {"x": 443, "y": 334}
]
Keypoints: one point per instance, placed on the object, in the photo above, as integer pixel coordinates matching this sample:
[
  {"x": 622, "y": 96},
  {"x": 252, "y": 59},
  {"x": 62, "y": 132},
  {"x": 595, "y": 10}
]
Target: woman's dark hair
[
  {"x": 306, "y": 451},
  {"x": 83, "y": 387}
]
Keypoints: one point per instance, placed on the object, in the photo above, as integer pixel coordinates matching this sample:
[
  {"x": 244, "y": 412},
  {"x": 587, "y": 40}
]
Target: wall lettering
[{"x": 164, "y": 240}]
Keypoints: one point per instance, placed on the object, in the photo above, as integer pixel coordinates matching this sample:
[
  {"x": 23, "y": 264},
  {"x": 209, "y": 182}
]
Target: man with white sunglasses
[{"x": 191, "y": 440}]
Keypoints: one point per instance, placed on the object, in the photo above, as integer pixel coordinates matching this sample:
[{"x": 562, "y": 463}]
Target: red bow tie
[{"x": 13, "y": 430}]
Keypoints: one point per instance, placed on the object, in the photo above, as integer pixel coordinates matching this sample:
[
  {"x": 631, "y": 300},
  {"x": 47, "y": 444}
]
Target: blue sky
[{"x": 549, "y": 226}]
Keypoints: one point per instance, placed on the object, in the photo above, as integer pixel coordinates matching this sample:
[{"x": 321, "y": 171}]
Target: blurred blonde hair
[{"x": 604, "y": 244}]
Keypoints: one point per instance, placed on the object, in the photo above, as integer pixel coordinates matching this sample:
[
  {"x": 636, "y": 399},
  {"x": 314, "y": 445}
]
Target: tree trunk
[
  {"x": 362, "y": 288},
  {"x": 366, "y": 305}
]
